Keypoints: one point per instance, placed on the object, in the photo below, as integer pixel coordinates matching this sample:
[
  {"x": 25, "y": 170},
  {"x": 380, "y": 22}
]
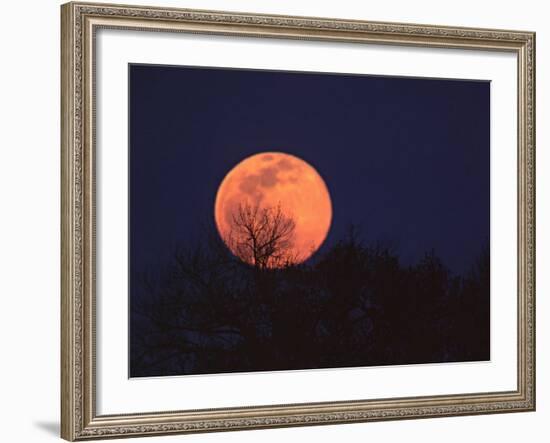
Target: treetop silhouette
[
  {"x": 356, "y": 305},
  {"x": 262, "y": 236}
]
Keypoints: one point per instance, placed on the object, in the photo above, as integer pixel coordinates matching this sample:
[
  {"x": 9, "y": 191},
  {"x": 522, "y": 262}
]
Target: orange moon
[{"x": 277, "y": 180}]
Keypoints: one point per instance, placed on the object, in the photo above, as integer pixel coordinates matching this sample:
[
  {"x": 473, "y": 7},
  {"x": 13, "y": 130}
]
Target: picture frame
[{"x": 80, "y": 238}]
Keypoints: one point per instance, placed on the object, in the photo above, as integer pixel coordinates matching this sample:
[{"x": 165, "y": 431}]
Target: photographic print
[
  {"x": 301, "y": 220},
  {"x": 274, "y": 221}
]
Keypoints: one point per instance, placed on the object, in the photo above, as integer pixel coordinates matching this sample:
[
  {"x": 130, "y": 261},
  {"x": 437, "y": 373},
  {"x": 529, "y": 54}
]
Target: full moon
[{"x": 277, "y": 201}]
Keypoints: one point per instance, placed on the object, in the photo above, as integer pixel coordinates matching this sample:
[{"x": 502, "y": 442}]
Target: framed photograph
[{"x": 281, "y": 221}]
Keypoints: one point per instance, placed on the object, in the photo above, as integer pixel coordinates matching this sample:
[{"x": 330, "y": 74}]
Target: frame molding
[{"x": 79, "y": 22}]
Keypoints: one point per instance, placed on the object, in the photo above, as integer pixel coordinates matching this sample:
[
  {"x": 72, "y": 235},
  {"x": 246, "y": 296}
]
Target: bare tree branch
[{"x": 263, "y": 236}]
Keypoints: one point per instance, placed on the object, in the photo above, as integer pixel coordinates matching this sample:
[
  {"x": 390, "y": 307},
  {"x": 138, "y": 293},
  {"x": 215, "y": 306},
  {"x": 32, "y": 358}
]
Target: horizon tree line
[{"x": 253, "y": 307}]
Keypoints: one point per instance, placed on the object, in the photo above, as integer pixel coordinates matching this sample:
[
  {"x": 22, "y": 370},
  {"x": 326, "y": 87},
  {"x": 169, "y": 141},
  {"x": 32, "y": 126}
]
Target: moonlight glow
[{"x": 283, "y": 184}]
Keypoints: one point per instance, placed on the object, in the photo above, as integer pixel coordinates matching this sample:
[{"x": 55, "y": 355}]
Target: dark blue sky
[{"x": 405, "y": 159}]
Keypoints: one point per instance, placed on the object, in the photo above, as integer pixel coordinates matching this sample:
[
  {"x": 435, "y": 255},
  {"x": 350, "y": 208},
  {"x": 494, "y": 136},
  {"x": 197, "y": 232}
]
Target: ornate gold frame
[{"x": 79, "y": 420}]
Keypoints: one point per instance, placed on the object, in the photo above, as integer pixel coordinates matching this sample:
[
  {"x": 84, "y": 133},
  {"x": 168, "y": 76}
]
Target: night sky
[{"x": 404, "y": 159}]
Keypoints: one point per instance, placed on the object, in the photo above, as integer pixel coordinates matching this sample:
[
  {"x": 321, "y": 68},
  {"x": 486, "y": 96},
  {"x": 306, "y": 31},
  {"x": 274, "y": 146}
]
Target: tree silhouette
[
  {"x": 356, "y": 305},
  {"x": 262, "y": 236}
]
